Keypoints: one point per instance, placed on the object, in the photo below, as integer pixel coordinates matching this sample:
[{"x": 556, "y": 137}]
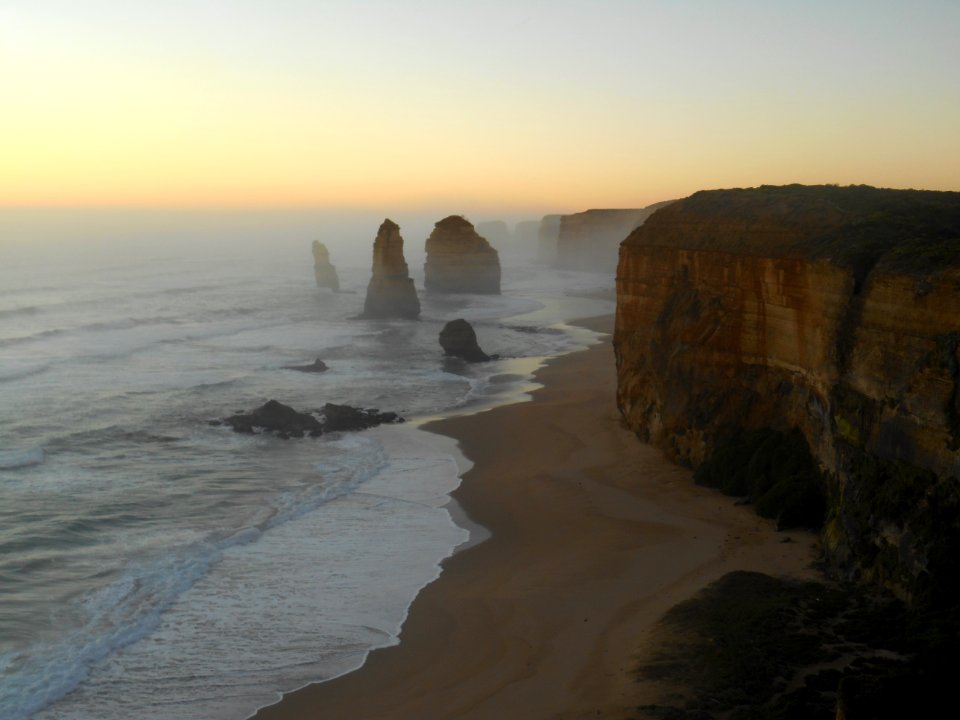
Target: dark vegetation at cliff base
[
  {"x": 754, "y": 647},
  {"x": 774, "y": 470}
]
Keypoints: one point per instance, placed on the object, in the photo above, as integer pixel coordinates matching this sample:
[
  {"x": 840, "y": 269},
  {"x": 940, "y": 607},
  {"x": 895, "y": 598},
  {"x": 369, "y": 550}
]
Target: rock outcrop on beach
[
  {"x": 458, "y": 339},
  {"x": 547, "y": 239},
  {"x": 287, "y": 423},
  {"x": 459, "y": 260},
  {"x": 323, "y": 271},
  {"x": 591, "y": 240},
  {"x": 391, "y": 293},
  {"x": 754, "y": 326}
]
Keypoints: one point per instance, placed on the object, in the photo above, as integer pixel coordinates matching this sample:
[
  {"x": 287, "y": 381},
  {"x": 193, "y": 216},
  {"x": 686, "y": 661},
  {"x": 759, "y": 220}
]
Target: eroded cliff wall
[{"x": 832, "y": 310}]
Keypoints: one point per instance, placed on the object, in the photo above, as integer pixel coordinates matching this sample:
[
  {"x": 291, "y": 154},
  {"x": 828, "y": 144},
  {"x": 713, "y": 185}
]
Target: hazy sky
[{"x": 511, "y": 104}]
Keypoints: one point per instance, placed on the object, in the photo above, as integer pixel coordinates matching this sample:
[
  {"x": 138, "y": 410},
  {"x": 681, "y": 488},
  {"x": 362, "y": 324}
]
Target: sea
[{"x": 156, "y": 566}]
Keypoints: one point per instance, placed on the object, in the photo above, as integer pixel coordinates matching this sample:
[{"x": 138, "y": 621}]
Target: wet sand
[{"x": 594, "y": 536}]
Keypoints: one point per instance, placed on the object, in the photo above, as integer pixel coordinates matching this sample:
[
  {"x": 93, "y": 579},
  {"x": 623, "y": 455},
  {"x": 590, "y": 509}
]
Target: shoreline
[{"x": 593, "y": 536}]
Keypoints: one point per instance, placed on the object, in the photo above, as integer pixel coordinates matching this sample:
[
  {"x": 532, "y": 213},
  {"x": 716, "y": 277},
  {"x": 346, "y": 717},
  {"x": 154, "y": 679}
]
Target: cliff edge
[{"x": 756, "y": 328}]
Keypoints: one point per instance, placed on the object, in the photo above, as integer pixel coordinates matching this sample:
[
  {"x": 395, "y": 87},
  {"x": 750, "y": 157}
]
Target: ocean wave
[
  {"x": 18, "y": 311},
  {"x": 24, "y": 373},
  {"x": 14, "y": 459},
  {"x": 132, "y": 606}
]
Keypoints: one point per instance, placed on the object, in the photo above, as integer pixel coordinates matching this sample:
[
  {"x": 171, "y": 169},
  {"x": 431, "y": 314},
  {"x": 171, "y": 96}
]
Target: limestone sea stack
[
  {"x": 547, "y": 236},
  {"x": 765, "y": 330},
  {"x": 459, "y": 260},
  {"x": 391, "y": 293},
  {"x": 324, "y": 272}
]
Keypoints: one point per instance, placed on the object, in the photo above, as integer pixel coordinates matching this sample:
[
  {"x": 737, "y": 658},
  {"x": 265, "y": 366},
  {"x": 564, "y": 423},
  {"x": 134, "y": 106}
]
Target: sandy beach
[{"x": 594, "y": 536}]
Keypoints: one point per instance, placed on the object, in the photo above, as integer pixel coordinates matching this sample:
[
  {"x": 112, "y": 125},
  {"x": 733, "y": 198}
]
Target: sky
[{"x": 519, "y": 105}]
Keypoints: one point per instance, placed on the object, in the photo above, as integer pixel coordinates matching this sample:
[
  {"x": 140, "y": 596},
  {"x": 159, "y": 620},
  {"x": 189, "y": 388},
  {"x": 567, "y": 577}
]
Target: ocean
[{"x": 153, "y": 565}]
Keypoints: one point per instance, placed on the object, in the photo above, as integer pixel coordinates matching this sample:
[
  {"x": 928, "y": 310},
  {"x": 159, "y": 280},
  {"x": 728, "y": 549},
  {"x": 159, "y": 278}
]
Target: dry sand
[{"x": 595, "y": 536}]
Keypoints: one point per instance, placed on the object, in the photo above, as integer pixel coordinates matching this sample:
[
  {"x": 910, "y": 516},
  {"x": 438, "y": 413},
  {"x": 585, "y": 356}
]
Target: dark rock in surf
[
  {"x": 286, "y": 422},
  {"x": 459, "y": 340},
  {"x": 317, "y": 366},
  {"x": 276, "y": 417},
  {"x": 343, "y": 418}
]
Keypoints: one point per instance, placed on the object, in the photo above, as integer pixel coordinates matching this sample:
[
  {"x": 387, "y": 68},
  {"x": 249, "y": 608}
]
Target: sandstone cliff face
[
  {"x": 591, "y": 240},
  {"x": 459, "y": 260},
  {"x": 832, "y": 310},
  {"x": 391, "y": 293},
  {"x": 323, "y": 271}
]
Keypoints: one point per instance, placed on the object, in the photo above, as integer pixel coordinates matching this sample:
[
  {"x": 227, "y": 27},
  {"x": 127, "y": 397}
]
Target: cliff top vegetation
[{"x": 895, "y": 231}]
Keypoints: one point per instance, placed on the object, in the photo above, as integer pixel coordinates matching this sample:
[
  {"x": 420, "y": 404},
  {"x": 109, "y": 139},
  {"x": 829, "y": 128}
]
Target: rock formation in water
[
  {"x": 317, "y": 366},
  {"x": 459, "y": 260},
  {"x": 323, "y": 271},
  {"x": 391, "y": 293},
  {"x": 757, "y": 328},
  {"x": 458, "y": 339},
  {"x": 286, "y": 422},
  {"x": 547, "y": 239},
  {"x": 591, "y": 240}
]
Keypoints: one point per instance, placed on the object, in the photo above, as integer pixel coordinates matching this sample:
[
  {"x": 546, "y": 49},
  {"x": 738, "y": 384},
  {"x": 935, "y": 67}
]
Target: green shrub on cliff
[{"x": 775, "y": 470}]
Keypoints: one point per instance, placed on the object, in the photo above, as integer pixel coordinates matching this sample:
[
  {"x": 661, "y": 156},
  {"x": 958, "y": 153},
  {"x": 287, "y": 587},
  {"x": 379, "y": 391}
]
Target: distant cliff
[
  {"x": 459, "y": 260},
  {"x": 547, "y": 239},
  {"x": 391, "y": 293},
  {"x": 756, "y": 328},
  {"x": 590, "y": 240}
]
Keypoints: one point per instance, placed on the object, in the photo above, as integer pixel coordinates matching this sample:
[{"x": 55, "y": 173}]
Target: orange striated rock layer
[{"x": 832, "y": 310}]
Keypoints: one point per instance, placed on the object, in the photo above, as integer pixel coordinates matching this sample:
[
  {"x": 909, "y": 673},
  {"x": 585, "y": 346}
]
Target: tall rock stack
[
  {"x": 391, "y": 293},
  {"x": 324, "y": 272},
  {"x": 459, "y": 260}
]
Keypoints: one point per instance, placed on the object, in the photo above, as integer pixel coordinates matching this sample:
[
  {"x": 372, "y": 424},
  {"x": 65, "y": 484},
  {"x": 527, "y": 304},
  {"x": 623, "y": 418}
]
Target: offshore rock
[
  {"x": 323, "y": 271},
  {"x": 459, "y": 260},
  {"x": 286, "y": 422},
  {"x": 525, "y": 237},
  {"x": 276, "y": 417},
  {"x": 458, "y": 339},
  {"x": 391, "y": 293},
  {"x": 591, "y": 240},
  {"x": 835, "y": 311},
  {"x": 317, "y": 366}
]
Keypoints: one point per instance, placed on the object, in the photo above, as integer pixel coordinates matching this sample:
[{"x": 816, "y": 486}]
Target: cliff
[
  {"x": 547, "y": 239},
  {"x": 793, "y": 342},
  {"x": 323, "y": 271},
  {"x": 591, "y": 240},
  {"x": 391, "y": 293},
  {"x": 459, "y": 260},
  {"x": 495, "y": 231}
]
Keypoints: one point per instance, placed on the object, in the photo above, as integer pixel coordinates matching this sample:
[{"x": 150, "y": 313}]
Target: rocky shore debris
[
  {"x": 274, "y": 416},
  {"x": 458, "y": 339}
]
